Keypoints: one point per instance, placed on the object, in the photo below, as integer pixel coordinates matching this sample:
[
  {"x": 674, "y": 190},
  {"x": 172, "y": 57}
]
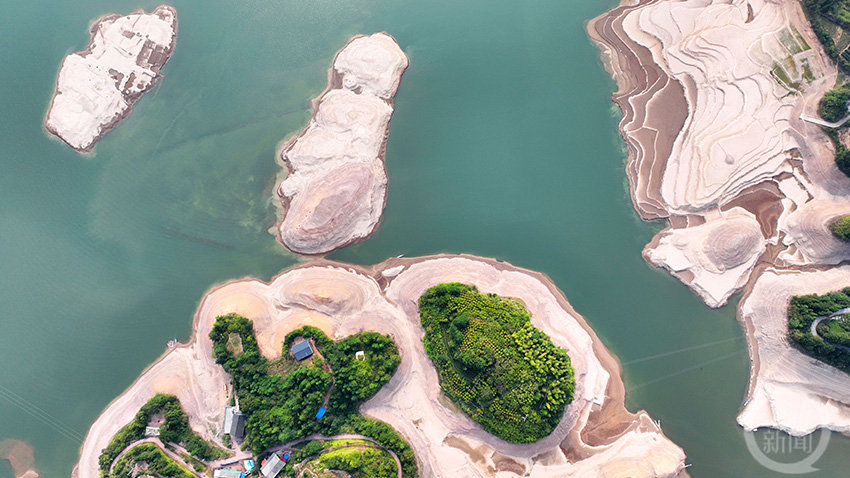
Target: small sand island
[
  {"x": 331, "y": 335},
  {"x": 96, "y": 87},
  {"x": 335, "y": 189},
  {"x": 717, "y": 100}
]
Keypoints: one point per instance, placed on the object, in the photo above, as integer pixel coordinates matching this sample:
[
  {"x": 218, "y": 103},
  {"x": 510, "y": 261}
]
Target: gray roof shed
[{"x": 301, "y": 350}]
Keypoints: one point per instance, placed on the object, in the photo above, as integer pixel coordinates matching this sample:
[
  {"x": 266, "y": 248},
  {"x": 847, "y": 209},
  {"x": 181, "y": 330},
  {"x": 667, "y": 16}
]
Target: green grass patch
[
  {"x": 498, "y": 368},
  {"x": 841, "y": 228}
]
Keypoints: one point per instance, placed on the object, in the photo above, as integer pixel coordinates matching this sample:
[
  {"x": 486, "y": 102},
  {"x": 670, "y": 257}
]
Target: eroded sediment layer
[
  {"x": 336, "y": 188},
  {"x": 746, "y": 184},
  {"x": 596, "y": 437},
  {"x": 96, "y": 87}
]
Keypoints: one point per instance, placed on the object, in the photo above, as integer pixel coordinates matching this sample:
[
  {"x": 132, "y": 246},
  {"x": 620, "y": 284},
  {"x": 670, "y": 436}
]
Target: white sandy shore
[
  {"x": 96, "y": 87},
  {"x": 344, "y": 299},
  {"x": 746, "y": 185},
  {"x": 336, "y": 188}
]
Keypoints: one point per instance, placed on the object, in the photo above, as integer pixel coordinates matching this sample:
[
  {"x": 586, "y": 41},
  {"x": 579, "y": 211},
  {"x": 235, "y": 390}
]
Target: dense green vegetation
[
  {"x": 803, "y": 310},
  {"x": 157, "y": 463},
  {"x": 841, "y": 228},
  {"x": 828, "y": 17},
  {"x": 836, "y": 331},
  {"x": 281, "y": 398},
  {"x": 833, "y": 105},
  {"x": 358, "y": 462},
  {"x": 502, "y": 371},
  {"x": 175, "y": 429}
]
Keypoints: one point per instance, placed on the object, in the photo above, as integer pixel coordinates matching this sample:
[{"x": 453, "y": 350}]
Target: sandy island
[
  {"x": 596, "y": 437},
  {"x": 711, "y": 94},
  {"x": 335, "y": 190},
  {"x": 96, "y": 87}
]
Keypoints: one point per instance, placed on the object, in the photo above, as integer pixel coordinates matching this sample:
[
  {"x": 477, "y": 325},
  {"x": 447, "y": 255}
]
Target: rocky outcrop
[
  {"x": 596, "y": 436},
  {"x": 96, "y": 87},
  {"x": 336, "y": 186}
]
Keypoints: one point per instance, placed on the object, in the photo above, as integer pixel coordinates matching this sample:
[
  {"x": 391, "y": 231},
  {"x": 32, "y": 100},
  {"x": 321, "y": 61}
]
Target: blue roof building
[
  {"x": 301, "y": 350},
  {"x": 320, "y": 413}
]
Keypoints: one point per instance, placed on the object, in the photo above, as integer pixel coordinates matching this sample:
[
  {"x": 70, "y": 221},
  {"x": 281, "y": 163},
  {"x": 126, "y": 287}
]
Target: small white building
[{"x": 360, "y": 355}]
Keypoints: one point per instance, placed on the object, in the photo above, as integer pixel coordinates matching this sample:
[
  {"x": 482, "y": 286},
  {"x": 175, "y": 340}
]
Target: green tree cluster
[
  {"x": 841, "y": 228},
  {"x": 281, "y": 408},
  {"x": 175, "y": 429},
  {"x": 503, "y": 372},
  {"x": 833, "y": 105},
  {"x": 154, "y": 460},
  {"x": 802, "y": 311},
  {"x": 359, "y": 463}
]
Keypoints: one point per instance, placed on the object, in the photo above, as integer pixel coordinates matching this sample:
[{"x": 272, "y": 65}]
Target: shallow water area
[{"x": 503, "y": 144}]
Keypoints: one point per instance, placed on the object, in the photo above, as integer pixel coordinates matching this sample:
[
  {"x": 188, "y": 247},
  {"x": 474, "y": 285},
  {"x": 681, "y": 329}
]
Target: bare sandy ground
[
  {"x": 596, "y": 437},
  {"x": 746, "y": 185},
  {"x": 21, "y": 456},
  {"x": 335, "y": 190},
  {"x": 96, "y": 87}
]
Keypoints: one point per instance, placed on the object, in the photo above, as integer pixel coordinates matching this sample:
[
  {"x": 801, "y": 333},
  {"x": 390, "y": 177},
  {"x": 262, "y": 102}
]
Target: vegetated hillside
[
  {"x": 804, "y": 310},
  {"x": 503, "y": 372},
  {"x": 281, "y": 398}
]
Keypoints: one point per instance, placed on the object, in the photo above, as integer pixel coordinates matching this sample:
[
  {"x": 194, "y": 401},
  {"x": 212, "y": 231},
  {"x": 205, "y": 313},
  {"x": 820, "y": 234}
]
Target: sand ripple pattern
[{"x": 335, "y": 192}]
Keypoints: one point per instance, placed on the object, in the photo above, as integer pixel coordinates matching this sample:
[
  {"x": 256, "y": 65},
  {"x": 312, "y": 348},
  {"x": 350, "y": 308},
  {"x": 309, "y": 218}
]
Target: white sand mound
[
  {"x": 97, "y": 87},
  {"x": 335, "y": 192}
]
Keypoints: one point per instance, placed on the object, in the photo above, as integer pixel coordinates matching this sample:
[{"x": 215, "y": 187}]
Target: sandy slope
[
  {"x": 96, "y": 87},
  {"x": 597, "y": 436},
  {"x": 336, "y": 188},
  {"x": 745, "y": 184}
]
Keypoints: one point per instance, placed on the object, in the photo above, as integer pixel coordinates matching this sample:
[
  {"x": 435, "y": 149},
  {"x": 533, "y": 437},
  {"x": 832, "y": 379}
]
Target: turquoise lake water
[{"x": 503, "y": 144}]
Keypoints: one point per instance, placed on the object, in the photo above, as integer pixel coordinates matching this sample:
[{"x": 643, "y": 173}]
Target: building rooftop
[
  {"x": 228, "y": 474},
  {"x": 301, "y": 350},
  {"x": 321, "y": 412},
  {"x": 272, "y": 466},
  {"x": 234, "y": 422}
]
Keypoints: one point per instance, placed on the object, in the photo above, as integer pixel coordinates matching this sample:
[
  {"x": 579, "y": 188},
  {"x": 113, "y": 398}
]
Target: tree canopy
[{"x": 501, "y": 370}]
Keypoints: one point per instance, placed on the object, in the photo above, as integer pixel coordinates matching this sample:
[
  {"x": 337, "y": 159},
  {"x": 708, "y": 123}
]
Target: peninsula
[
  {"x": 336, "y": 184},
  {"x": 595, "y": 436},
  {"x": 97, "y": 87},
  {"x": 713, "y": 96}
]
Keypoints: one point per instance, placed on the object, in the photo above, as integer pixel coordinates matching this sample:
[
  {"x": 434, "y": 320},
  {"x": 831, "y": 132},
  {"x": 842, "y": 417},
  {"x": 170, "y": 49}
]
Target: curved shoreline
[
  {"x": 130, "y": 99},
  {"x": 383, "y": 298}
]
